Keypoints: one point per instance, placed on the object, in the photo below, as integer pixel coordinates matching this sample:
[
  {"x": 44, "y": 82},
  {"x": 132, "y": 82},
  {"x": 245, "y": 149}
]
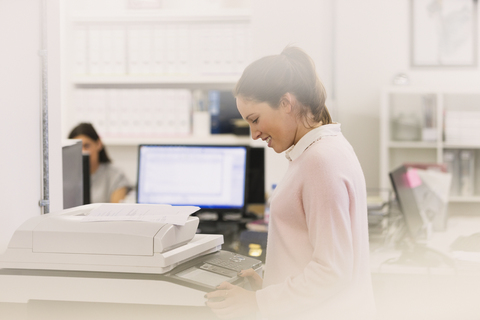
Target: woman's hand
[
  {"x": 256, "y": 282},
  {"x": 231, "y": 301}
]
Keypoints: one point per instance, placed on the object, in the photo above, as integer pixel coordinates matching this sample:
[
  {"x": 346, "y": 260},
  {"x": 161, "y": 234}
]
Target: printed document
[{"x": 164, "y": 213}]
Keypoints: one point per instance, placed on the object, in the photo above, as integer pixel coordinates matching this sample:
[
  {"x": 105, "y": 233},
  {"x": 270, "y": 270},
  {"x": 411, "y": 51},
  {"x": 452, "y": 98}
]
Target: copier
[{"x": 59, "y": 242}]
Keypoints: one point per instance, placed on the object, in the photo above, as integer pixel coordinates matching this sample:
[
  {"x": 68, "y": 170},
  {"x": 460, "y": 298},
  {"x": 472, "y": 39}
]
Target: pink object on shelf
[{"x": 412, "y": 179}]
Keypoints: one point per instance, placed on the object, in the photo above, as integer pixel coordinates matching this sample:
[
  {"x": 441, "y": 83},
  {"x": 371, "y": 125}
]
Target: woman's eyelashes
[{"x": 255, "y": 121}]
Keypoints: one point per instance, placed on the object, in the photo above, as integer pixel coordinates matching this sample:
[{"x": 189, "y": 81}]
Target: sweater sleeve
[{"x": 326, "y": 197}]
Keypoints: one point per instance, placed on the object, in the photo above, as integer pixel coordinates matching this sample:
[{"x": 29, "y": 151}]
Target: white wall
[
  {"x": 20, "y": 113},
  {"x": 373, "y": 44},
  {"x": 303, "y": 23}
]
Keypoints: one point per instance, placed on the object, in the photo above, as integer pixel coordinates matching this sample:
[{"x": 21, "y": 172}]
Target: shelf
[
  {"x": 431, "y": 90},
  {"x": 461, "y": 146},
  {"x": 154, "y": 79},
  {"x": 227, "y": 139},
  {"x": 462, "y": 199},
  {"x": 412, "y": 144},
  {"x": 166, "y": 16},
  {"x": 429, "y": 106},
  {"x": 430, "y": 145}
]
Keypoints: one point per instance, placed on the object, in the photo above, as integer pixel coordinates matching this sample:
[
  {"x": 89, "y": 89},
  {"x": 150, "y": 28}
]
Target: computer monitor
[
  {"x": 86, "y": 178},
  {"x": 256, "y": 176},
  {"x": 223, "y": 111},
  {"x": 408, "y": 193},
  {"x": 213, "y": 177},
  {"x": 411, "y": 193},
  {"x": 72, "y": 175}
]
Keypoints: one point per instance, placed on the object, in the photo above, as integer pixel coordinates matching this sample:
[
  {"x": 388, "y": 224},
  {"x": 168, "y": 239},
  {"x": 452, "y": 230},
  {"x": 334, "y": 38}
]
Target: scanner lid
[{"x": 69, "y": 233}]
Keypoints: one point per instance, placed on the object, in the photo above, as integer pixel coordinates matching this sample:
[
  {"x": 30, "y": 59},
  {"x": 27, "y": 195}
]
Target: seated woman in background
[{"x": 107, "y": 183}]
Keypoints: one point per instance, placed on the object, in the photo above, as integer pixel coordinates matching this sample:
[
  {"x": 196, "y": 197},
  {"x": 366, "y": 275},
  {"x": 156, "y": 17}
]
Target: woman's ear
[
  {"x": 287, "y": 102},
  {"x": 99, "y": 145}
]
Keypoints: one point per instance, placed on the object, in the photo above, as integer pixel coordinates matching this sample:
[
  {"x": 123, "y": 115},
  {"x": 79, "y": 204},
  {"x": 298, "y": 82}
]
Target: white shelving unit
[
  {"x": 165, "y": 81},
  {"x": 161, "y": 15},
  {"x": 406, "y": 111},
  {"x": 113, "y": 52},
  {"x": 192, "y": 45},
  {"x": 216, "y": 139}
]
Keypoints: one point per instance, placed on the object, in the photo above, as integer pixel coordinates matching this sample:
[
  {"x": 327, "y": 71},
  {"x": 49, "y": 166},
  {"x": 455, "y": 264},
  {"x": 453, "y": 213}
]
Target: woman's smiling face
[{"x": 277, "y": 127}]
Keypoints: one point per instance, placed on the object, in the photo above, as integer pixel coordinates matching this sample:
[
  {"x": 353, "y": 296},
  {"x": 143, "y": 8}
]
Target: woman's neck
[
  {"x": 94, "y": 167},
  {"x": 303, "y": 129}
]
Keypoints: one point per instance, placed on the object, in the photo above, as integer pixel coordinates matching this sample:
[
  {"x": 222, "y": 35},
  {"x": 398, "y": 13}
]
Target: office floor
[
  {"x": 418, "y": 290},
  {"x": 425, "y": 297},
  {"x": 48, "y": 310}
]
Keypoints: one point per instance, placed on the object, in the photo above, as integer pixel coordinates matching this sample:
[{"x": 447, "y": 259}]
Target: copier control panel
[{"x": 207, "y": 272}]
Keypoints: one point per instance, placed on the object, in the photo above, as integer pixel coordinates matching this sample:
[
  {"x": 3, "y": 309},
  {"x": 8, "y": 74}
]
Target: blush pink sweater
[{"x": 317, "y": 263}]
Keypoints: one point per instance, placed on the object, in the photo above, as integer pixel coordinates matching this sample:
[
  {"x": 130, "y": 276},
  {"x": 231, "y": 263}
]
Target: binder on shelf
[
  {"x": 467, "y": 172},
  {"x": 180, "y": 48},
  {"x": 106, "y": 51},
  {"x": 145, "y": 48},
  {"x": 462, "y": 127},
  {"x": 94, "y": 50},
  {"x": 241, "y": 46},
  {"x": 80, "y": 50},
  {"x": 171, "y": 52},
  {"x": 429, "y": 125},
  {"x": 214, "y": 108},
  {"x": 200, "y": 114},
  {"x": 461, "y": 164},
  {"x": 119, "y": 53},
  {"x": 159, "y": 111},
  {"x": 450, "y": 158},
  {"x": 140, "y": 49},
  {"x": 217, "y": 49},
  {"x": 182, "y": 108},
  {"x": 159, "y": 49},
  {"x": 228, "y": 50},
  {"x": 183, "y": 49},
  {"x": 135, "y": 113}
]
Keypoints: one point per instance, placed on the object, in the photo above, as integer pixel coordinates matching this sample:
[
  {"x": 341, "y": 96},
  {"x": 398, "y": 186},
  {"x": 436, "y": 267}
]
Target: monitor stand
[{"x": 417, "y": 254}]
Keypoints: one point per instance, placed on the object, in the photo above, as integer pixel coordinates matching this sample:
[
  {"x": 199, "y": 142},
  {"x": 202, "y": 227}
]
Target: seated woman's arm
[{"x": 118, "y": 195}]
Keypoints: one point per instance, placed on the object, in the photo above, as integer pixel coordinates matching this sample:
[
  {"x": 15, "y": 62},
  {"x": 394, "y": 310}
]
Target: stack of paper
[{"x": 163, "y": 213}]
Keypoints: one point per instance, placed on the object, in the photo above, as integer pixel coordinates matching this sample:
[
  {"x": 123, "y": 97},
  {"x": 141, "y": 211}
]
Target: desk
[{"x": 416, "y": 292}]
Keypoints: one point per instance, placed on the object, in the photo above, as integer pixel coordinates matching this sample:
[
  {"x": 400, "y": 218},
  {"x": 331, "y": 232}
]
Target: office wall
[
  {"x": 372, "y": 45},
  {"x": 304, "y": 23},
  {"x": 20, "y": 112}
]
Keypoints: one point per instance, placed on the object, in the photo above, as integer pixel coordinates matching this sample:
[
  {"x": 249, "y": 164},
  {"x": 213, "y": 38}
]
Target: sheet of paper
[{"x": 164, "y": 213}]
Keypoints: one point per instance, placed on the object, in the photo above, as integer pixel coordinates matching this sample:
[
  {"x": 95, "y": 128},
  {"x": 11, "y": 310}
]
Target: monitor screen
[{"x": 211, "y": 177}]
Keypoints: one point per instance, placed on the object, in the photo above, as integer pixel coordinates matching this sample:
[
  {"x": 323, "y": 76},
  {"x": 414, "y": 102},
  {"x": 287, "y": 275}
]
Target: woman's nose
[{"x": 255, "y": 134}]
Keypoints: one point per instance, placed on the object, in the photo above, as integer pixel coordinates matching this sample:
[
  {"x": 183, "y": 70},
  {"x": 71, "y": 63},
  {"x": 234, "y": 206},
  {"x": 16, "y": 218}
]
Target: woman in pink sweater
[{"x": 317, "y": 263}]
